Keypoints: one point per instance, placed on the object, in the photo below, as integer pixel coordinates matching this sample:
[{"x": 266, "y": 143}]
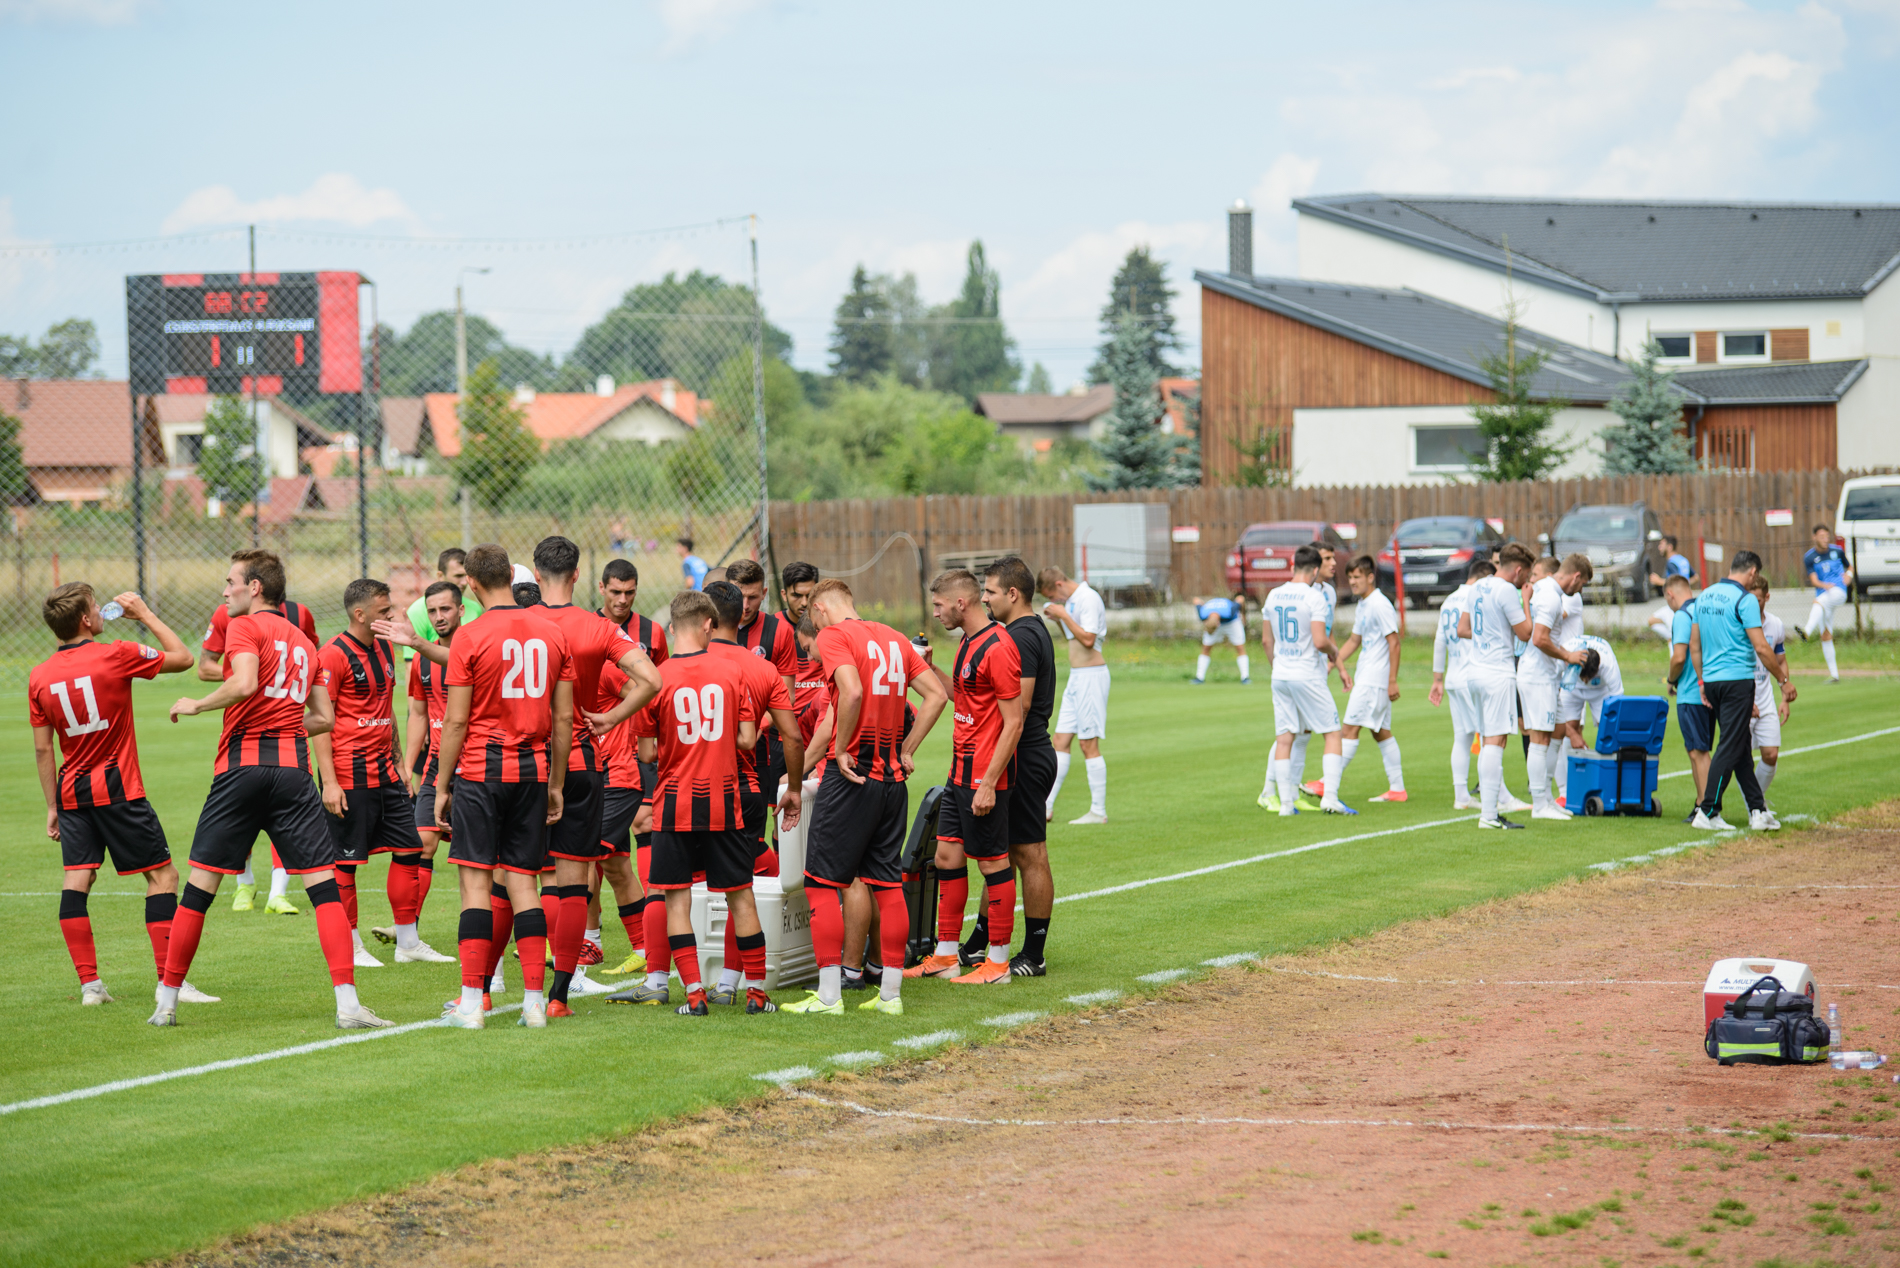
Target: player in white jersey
[
  {"x": 1449, "y": 654},
  {"x": 1302, "y": 655},
  {"x": 1585, "y": 687},
  {"x": 1323, "y": 583},
  {"x": 1079, "y": 610},
  {"x": 1375, "y": 636},
  {"x": 1770, "y": 709},
  {"x": 1568, "y": 631},
  {"x": 1539, "y": 673},
  {"x": 1492, "y": 620}
]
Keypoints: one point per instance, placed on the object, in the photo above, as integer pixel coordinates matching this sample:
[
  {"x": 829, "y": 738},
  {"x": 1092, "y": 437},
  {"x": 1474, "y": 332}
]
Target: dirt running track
[{"x": 1602, "y": 1088}]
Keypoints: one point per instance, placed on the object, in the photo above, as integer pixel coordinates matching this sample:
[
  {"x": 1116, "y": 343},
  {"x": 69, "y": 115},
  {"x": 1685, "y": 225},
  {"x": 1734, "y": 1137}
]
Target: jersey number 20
[
  {"x": 887, "y": 679},
  {"x": 527, "y": 676},
  {"x": 702, "y": 713}
]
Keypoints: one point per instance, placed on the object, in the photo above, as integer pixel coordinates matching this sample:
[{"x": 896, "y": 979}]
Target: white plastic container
[
  {"x": 784, "y": 913},
  {"x": 1729, "y": 978}
]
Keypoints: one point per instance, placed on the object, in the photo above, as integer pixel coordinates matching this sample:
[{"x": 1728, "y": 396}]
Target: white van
[{"x": 1868, "y": 525}]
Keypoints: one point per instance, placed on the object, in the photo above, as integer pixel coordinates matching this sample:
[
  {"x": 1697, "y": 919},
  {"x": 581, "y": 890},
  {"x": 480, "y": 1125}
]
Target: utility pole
[
  {"x": 763, "y": 534},
  {"x": 461, "y": 334},
  {"x": 258, "y": 448}
]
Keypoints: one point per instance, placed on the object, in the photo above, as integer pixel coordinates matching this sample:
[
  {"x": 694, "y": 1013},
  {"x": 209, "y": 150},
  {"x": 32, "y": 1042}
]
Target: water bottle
[
  {"x": 112, "y": 610},
  {"x": 1833, "y": 1031},
  {"x": 1857, "y": 1060}
]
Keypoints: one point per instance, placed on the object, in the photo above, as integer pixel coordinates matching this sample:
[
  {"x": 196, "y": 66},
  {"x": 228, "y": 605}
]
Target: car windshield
[
  {"x": 1600, "y": 524},
  {"x": 1435, "y": 533},
  {"x": 1278, "y": 537},
  {"x": 1882, "y": 502}
]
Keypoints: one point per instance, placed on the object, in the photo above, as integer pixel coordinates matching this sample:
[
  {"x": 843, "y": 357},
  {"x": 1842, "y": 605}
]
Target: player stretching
[
  {"x": 862, "y": 807},
  {"x": 1771, "y": 712},
  {"x": 1084, "y": 713},
  {"x": 210, "y": 654},
  {"x": 1294, "y": 623},
  {"x": 1222, "y": 620},
  {"x": 973, "y": 817},
  {"x": 95, "y": 798},
  {"x": 261, "y": 782},
  {"x": 1586, "y": 686},
  {"x": 1539, "y": 673},
  {"x": 1825, "y": 566},
  {"x": 506, "y": 735},
  {"x": 1493, "y": 617},
  {"x": 1449, "y": 653},
  {"x": 705, "y": 718},
  {"x": 1375, "y": 636}
]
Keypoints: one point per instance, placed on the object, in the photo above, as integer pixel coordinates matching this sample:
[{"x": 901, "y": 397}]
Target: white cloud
[
  {"x": 689, "y": 22},
  {"x": 1290, "y": 176},
  {"x": 94, "y": 12},
  {"x": 1465, "y": 78},
  {"x": 336, "y": 198}
]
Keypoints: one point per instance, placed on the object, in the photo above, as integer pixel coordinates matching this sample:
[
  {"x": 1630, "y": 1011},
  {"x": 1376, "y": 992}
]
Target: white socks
[
  {"x": 1560, "y": 752},
  {"x": 406, "y": 938},
  {"x": 1815, "y": 617},
  {"x": 1097, "y": 768},
  {"x": 471, "y": 999},
  {"x": 593, "y": 935},
  {"x": 167, "y": 998},
  {"x": 946, "y": 948},
  {"x": 1062, "y": 773},
  {"x": 346, "y": 998},
  {"x": 1764, "y": 775},
  {"x": 1394, "y": 771},
  {"x": 893, "y": 983},
  {"x": 1333, "y": 765},
  {"x": 657, "y": 979},
  {"x": 497, "y": 984},
  {"x": 1460, "y": 765},
  {"x": 1490, "y": 779},
  {"x": 1536, "y": 758},
  {"x": 1827, "y": 651},
  {"x": 1289, "y": 791},
  {"x": 1346, "y": 750},
  {"x": 279, "y": 882},
  {"x": 729, "y": 978},
  {"x": 246, "y": 877},
  {"x": 1240, "y": 662},
  {"x": 538, "y": 999},
  {"x": 999, "y": 955},
  {"x": 1299, "y": 757},
  {"x": 1200, "y": 666},
  {"x": 831, "y": 984}
]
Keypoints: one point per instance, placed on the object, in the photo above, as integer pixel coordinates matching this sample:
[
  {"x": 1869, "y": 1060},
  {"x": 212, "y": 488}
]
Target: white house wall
[
  {"x": 1744, "y": 315},
  {"x": 1867, "y": 426},
  {"x": 1363, "y": 446}
]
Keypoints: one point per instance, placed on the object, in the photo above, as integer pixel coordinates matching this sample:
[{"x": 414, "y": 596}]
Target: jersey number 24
[{"x": 887, "y": 679}]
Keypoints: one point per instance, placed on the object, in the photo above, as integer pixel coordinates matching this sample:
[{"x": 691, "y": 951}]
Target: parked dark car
[
  {"x": 1263, "y": 557},
  {"x": 1620, "y": 542},
  {"x": 1437, "y": 551}
]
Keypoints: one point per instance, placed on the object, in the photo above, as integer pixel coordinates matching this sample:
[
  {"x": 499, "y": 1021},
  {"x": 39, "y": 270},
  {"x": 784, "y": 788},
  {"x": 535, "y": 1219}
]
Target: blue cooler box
[{"x": 1621, "y": 777}]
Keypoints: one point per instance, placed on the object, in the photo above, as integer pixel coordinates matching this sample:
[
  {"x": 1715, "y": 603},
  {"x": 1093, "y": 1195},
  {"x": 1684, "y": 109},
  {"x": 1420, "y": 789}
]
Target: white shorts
[
  {"x": 1540, "y": 703},
  {"x": 1084, "y": 712},
  {"x": 1572, "y": 705},
  {"x": 1464, "y": 715},
  {"x": 1765, "y": 731},
  {"x": 1662, "y": 621},
  {"x": 1493, "y": 703},
  {"x": 1303, "y": 704},
  {"x": 1827, "y": 601},
  {"x": 1370, "y": 704},
  {"x": 1234, "y": 631}
]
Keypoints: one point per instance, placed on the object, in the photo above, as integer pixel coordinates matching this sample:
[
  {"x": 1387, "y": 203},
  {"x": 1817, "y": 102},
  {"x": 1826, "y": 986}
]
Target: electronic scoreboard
[{"x": 232, "y": 333}]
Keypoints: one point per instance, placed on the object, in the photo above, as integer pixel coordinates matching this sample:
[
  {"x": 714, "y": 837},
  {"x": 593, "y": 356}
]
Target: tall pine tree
[
  {"x": 1516, "y": 428},
  {"x": 862, "y": 331},
  {"x": 1140, "y": 287},
  {"x": 1135, "y": 453},
  {"x": 1645, "y": 439},
  {"x": 970, "y": 352},
  {"x": 497, "y": 448}
]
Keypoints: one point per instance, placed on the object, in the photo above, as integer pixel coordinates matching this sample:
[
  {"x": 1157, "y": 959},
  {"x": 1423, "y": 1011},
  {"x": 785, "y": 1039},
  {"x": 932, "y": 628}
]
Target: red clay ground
[{"x": 1583, "y": 1118}]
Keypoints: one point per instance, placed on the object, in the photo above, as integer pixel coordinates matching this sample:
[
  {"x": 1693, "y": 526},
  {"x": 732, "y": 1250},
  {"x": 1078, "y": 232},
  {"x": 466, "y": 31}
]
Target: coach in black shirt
[{"x": 1009, "y": 589}]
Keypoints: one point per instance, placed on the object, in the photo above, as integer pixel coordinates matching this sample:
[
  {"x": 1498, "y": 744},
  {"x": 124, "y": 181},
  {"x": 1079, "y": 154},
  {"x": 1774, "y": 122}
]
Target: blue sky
[{"x": 1059, "y": 133}]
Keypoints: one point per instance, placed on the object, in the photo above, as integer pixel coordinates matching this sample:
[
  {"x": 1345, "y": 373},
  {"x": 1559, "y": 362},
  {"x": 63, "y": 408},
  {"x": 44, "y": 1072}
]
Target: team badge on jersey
[{"x": 149, "y": 653}]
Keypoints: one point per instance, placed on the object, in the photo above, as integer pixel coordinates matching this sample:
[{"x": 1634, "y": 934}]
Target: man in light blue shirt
[
  {"x": 692, "y": 567},
  {"x": 1692, "y": 716},
  {"x": 1675, "y": 564},
  {"x": 1724, "y": 646}
]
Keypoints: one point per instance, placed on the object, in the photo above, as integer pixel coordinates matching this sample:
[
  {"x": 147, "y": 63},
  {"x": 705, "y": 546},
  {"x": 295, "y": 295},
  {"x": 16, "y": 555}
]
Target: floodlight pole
[
  {"x": 762, "y": 534},
  {"x": 370, "y": 400},
  {"x": 461, "y": 333},
  {"x": 257, "y": 423}
]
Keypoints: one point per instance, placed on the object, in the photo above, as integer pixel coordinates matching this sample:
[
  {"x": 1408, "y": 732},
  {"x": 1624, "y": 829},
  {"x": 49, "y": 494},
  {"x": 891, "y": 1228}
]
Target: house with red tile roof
[{"x": 651, "y": 413}]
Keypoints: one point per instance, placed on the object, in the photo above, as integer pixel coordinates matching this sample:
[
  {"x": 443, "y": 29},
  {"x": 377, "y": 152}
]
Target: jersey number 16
[{"x": 1288, "y": 621}]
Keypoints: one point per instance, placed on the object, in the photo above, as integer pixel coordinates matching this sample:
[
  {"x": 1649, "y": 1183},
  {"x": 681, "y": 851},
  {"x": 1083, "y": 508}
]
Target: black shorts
[
  {"x": 247, "y": 800},
  {"x": 374, "y": 821},
  {"x": 127, "y": 830},
  {"x": 425, "y": 810},
  {"x": 1697, "y": 721},
  {"x": 725, "y": 857},
  {"x": 857, "y": 831},
  {"x": 1030, "y": 780},
  {"x": 980, "y": 836},
  {"x": 774, "y": 748},
  {"x": 577, "y": 835},
  {"x": 503, "y": 825},
  {"x": 753, "y": 807},
  {"x": 619, "y": 807}
]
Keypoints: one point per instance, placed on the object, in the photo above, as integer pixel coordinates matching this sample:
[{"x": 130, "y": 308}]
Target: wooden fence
[{"x": 843, "y": 537}]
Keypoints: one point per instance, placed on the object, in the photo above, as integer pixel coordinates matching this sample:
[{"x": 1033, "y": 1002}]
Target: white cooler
[
  {"x": 1729, "y": 978},
  {"x": 784, "y": 913}
]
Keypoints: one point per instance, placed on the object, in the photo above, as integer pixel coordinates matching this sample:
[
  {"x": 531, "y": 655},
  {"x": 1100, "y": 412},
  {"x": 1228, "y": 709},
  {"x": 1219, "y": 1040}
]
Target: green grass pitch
[{"x": 140, "y": 1173}]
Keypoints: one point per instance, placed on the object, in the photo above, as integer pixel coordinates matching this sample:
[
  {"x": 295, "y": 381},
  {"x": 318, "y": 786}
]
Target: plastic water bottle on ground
[
  {"x": 1857, "y": 1060},
  {"x": 1833, "y": 1031},
  {"x": 112, "y": 610}
]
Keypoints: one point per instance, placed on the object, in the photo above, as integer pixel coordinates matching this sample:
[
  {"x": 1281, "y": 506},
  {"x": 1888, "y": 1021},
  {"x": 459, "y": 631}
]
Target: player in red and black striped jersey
[
  {"x": 272, "y": 705},
  {"x": 575, "y": 843},
  {"x": 80, "y": 698},
  {"x": 502, "y": 768},
  {"x": 862, "y": 807},
  {"x": 973, "y": 818},
  {"x": 771, "y": 636},
  {"x": 368, "y": 801},
  {"x": 428, "y": 705},
  {"x": 619, "y": 587}
]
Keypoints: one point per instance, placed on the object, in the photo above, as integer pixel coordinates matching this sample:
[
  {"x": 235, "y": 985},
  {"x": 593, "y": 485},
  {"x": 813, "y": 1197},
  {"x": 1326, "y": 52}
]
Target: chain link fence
[{"x": 280, "y": 409}]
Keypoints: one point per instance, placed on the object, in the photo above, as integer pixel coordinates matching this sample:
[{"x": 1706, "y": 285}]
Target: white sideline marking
[
  {"x": 1094, "y": 997},
  {"x": 1165, "y": 975},
  {"x": 930, "y": 1040},
  {"x": 1013, "y": 1019},
  {"x": 232, "y": 1063},
  {"x": 1805, "y": 748},
  {"x": 790, "y": 1074},
  {"x": 1441, "y": 1125},
  {"x": 1666, "y": 850},
  {"x": 1478, "y": 981},
  {"x": 1228, "y": 961},
  {"x": 856, "y": 1058}
]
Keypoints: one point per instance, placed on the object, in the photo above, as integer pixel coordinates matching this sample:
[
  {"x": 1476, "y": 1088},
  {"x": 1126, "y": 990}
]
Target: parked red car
[{"x": 1263, "y": 557}]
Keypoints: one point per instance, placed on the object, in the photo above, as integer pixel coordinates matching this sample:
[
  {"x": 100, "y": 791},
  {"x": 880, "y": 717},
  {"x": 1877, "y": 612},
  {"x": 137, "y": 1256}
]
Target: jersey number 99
[
  {"x": 527, "y": 675},
  {"x": 701, "y": 714}
]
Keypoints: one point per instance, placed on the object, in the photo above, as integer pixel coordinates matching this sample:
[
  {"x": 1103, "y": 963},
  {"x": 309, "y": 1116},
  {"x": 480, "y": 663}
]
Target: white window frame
[
  {"x": 1412, "y": 434},
  {"x": 1689, "y": 358},
  {"x": 1724, "y": 357}
]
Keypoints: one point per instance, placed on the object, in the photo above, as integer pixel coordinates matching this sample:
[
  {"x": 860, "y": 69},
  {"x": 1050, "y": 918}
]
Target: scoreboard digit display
[{"x": 230, "y": 333}]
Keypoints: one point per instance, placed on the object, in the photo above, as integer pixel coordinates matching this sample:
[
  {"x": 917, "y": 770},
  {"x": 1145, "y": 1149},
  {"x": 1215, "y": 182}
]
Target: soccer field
[{"x": 140, "y": 1172}]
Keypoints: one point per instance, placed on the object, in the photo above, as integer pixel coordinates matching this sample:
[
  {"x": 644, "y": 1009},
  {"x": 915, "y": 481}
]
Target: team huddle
[{"x": 559, "y": 751}]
